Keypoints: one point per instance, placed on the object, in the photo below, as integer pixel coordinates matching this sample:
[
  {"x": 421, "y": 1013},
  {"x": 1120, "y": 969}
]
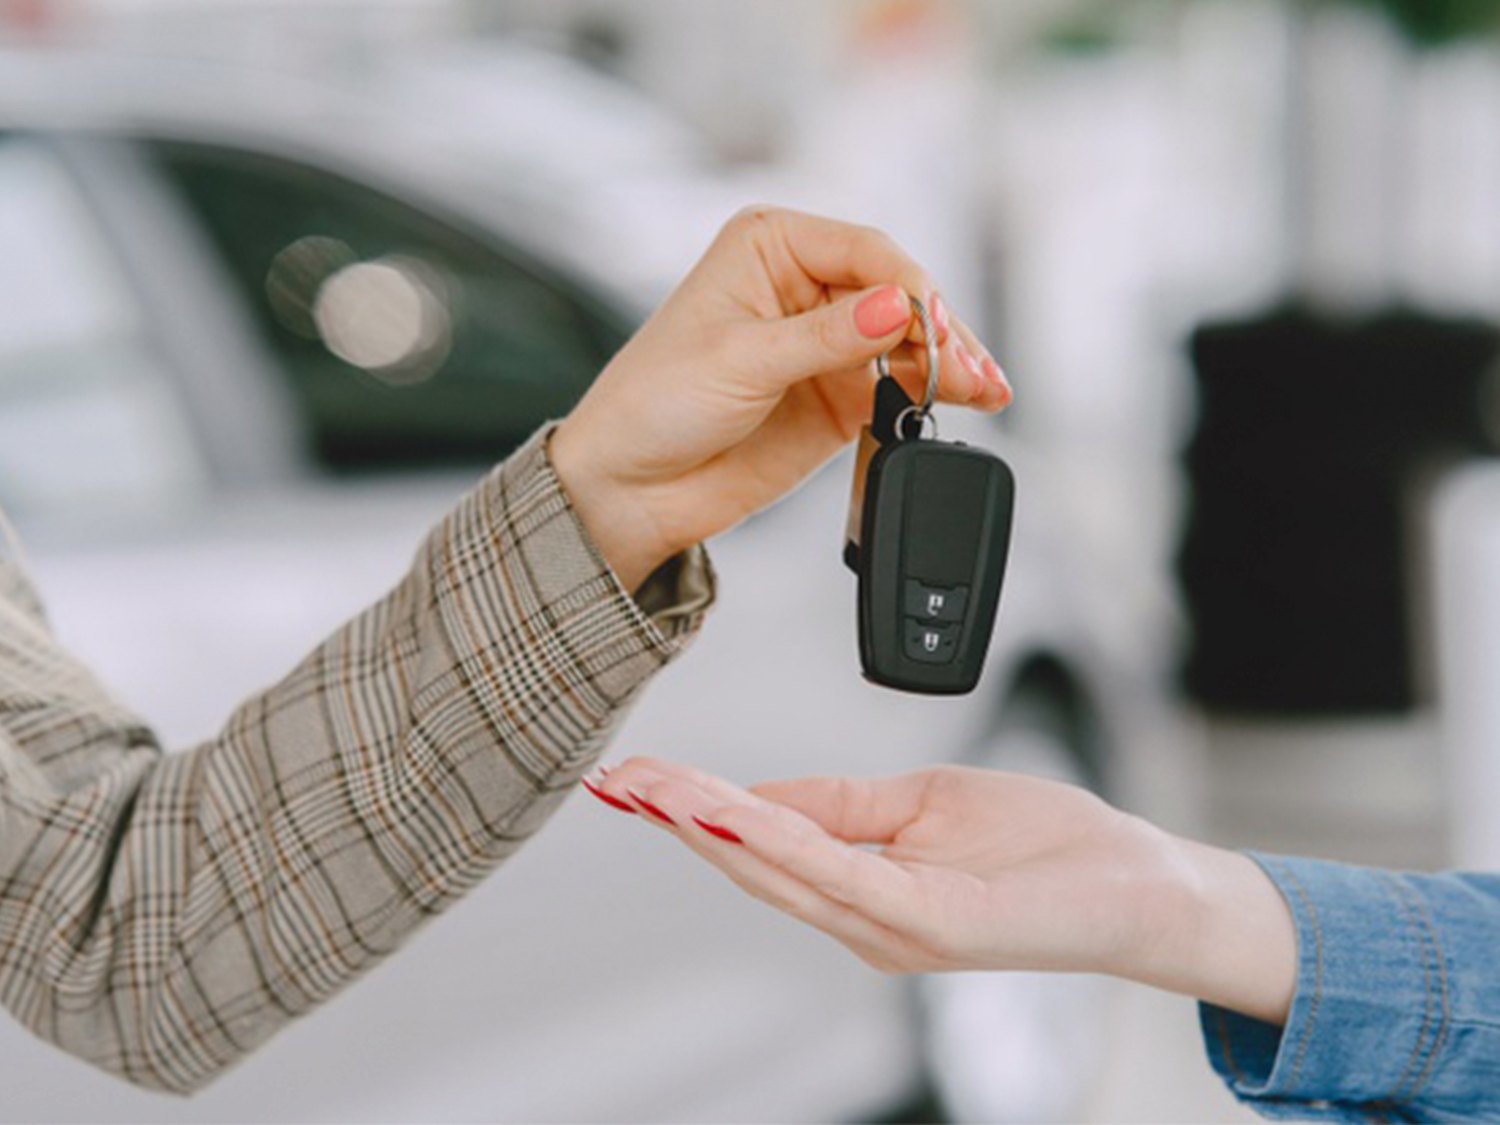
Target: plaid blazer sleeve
[{"x": 162, "y": 914}]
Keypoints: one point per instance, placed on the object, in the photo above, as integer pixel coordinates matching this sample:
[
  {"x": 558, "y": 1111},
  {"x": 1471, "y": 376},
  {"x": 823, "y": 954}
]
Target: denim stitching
[
  {"x": 1388, "y": 1111},
  {"x": 1221, "y": 1021},
  {"x": 1317, "y": 997},
  {"x": 1441, "y": 958},
  {"x": 1420, "y": 1046}
]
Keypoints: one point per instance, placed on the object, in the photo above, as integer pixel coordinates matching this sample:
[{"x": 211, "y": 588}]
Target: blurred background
[{"x": 281, "y": 279}]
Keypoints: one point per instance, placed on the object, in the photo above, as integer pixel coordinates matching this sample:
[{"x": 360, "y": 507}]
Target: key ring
[
  {"x": 883, "y": 366},
  {"x": 922, "y": 416}
]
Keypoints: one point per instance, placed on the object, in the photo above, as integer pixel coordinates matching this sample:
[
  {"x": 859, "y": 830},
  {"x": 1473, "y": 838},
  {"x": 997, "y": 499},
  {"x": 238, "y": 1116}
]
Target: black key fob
[{"x": 932, "y": 542}]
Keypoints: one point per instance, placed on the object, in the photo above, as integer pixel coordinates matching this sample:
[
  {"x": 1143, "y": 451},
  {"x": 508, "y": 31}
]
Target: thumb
[{"x": 847, "y": 333}]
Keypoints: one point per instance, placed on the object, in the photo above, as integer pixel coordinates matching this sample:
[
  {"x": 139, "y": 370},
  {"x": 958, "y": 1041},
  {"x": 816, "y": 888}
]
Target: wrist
[
  {"x": 611, "y": 511},
  {"x": 1224, "y": 933}
]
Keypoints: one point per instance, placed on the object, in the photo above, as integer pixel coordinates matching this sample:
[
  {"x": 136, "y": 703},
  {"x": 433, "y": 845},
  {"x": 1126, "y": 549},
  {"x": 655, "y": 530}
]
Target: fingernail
[
  {"x": 882, "y": 312},
  {"x": 939, "y": 310},
  {"x": 650, "y": 808},
  {"x": 612, "y": 802},
  {"x": 718, "y": 830},
  {"x": 997, "y": 376}
]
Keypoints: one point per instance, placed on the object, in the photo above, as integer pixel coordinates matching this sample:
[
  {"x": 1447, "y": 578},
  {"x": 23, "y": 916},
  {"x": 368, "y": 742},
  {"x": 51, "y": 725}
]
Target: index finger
[{"x": 831, "y": 252}]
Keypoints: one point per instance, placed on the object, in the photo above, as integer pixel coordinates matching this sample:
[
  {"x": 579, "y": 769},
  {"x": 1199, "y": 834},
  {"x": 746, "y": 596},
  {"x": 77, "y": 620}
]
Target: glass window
[
  {"x": 406, "y": 339},
  {"x": 90, "y": 424}
]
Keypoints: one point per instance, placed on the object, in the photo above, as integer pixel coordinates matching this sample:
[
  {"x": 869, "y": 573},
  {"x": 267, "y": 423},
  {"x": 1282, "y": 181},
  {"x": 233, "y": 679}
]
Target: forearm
[
  {"x": 216, "y": 894},
  {"x": 1395, "y": 1012},
  {"x": 1329, "y": 991},
  {"x": 1217, "y": 930}
]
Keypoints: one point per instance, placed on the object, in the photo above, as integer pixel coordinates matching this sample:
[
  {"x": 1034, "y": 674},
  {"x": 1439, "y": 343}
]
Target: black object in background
[{"x": 1312, "y": 436}]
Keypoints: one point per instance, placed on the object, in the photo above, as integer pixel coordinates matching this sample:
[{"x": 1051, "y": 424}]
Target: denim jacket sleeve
[{"x": 1396, "y": 1014}]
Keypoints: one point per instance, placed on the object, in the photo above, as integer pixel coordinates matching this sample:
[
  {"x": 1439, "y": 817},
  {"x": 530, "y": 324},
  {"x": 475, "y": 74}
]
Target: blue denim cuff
[{"x": 1371, "y": 1011}]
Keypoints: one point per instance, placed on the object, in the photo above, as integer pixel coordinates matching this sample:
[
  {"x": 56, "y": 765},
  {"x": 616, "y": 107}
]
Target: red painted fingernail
[
  {"x": 939, "y": 312},
  {"x": 650, "y": 808},
  {"x": 882, "y": 312},
  {"x": 612, "y": 802},
  {"x": 718, "y": 830}
]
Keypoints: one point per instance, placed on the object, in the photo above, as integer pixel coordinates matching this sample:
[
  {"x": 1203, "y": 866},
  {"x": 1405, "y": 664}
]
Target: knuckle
[
  {"x": 883, "y": 241},
  {"x": 751, "y": 217},
  {"x": 910, "y": 273},
  {"x": 861, "y": 236},
  {"x": 828, "y": 334}
]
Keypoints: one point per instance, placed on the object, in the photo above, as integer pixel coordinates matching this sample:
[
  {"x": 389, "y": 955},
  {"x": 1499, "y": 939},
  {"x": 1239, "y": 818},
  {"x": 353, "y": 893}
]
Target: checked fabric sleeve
[{"x": 162, "y": 914}]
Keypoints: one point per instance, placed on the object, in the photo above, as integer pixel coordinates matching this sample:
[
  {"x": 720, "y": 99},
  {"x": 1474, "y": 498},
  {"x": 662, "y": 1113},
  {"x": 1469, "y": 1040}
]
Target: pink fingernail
[
  {"x": 992, "y": 370},
  {"x": 939, "y": 312},
  {"x": 968, "y": 360},
  {"x": 882, "y": 312},
  {"x": 718, "y": 830}
]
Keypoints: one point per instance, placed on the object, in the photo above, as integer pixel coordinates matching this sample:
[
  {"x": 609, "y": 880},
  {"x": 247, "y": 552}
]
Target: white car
[{"x": 247, "y": 359}]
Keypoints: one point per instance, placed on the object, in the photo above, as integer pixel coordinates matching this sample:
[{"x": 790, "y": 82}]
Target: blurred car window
[
  {"x": 407, "y": 340},
  {"x": 90, "y": 425}
]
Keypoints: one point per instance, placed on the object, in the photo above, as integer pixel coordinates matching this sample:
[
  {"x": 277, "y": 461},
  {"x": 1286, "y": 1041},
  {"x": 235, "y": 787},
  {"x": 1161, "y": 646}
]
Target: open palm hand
[{"x": 953, "y": 868}]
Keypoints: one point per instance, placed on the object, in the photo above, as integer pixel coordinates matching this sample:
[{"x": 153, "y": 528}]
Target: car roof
[
  {"x": 468, "y": 131},
  {"x": 508, "y": 97}
]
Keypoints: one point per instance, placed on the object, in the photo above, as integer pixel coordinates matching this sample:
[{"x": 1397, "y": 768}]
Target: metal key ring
[
  {"x": 922, "y": 417},
  {"x": 929, "y": 333}
]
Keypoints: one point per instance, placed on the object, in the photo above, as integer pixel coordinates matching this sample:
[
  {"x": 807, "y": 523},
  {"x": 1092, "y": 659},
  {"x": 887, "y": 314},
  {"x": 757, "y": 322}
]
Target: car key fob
[{"x": 930, "y": 548}]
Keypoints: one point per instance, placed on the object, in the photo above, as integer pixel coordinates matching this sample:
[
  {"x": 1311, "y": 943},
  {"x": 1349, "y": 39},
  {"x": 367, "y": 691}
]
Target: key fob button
[
  {"x": 929, "y": 643},
  {"x": 935, "y": 603}
]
